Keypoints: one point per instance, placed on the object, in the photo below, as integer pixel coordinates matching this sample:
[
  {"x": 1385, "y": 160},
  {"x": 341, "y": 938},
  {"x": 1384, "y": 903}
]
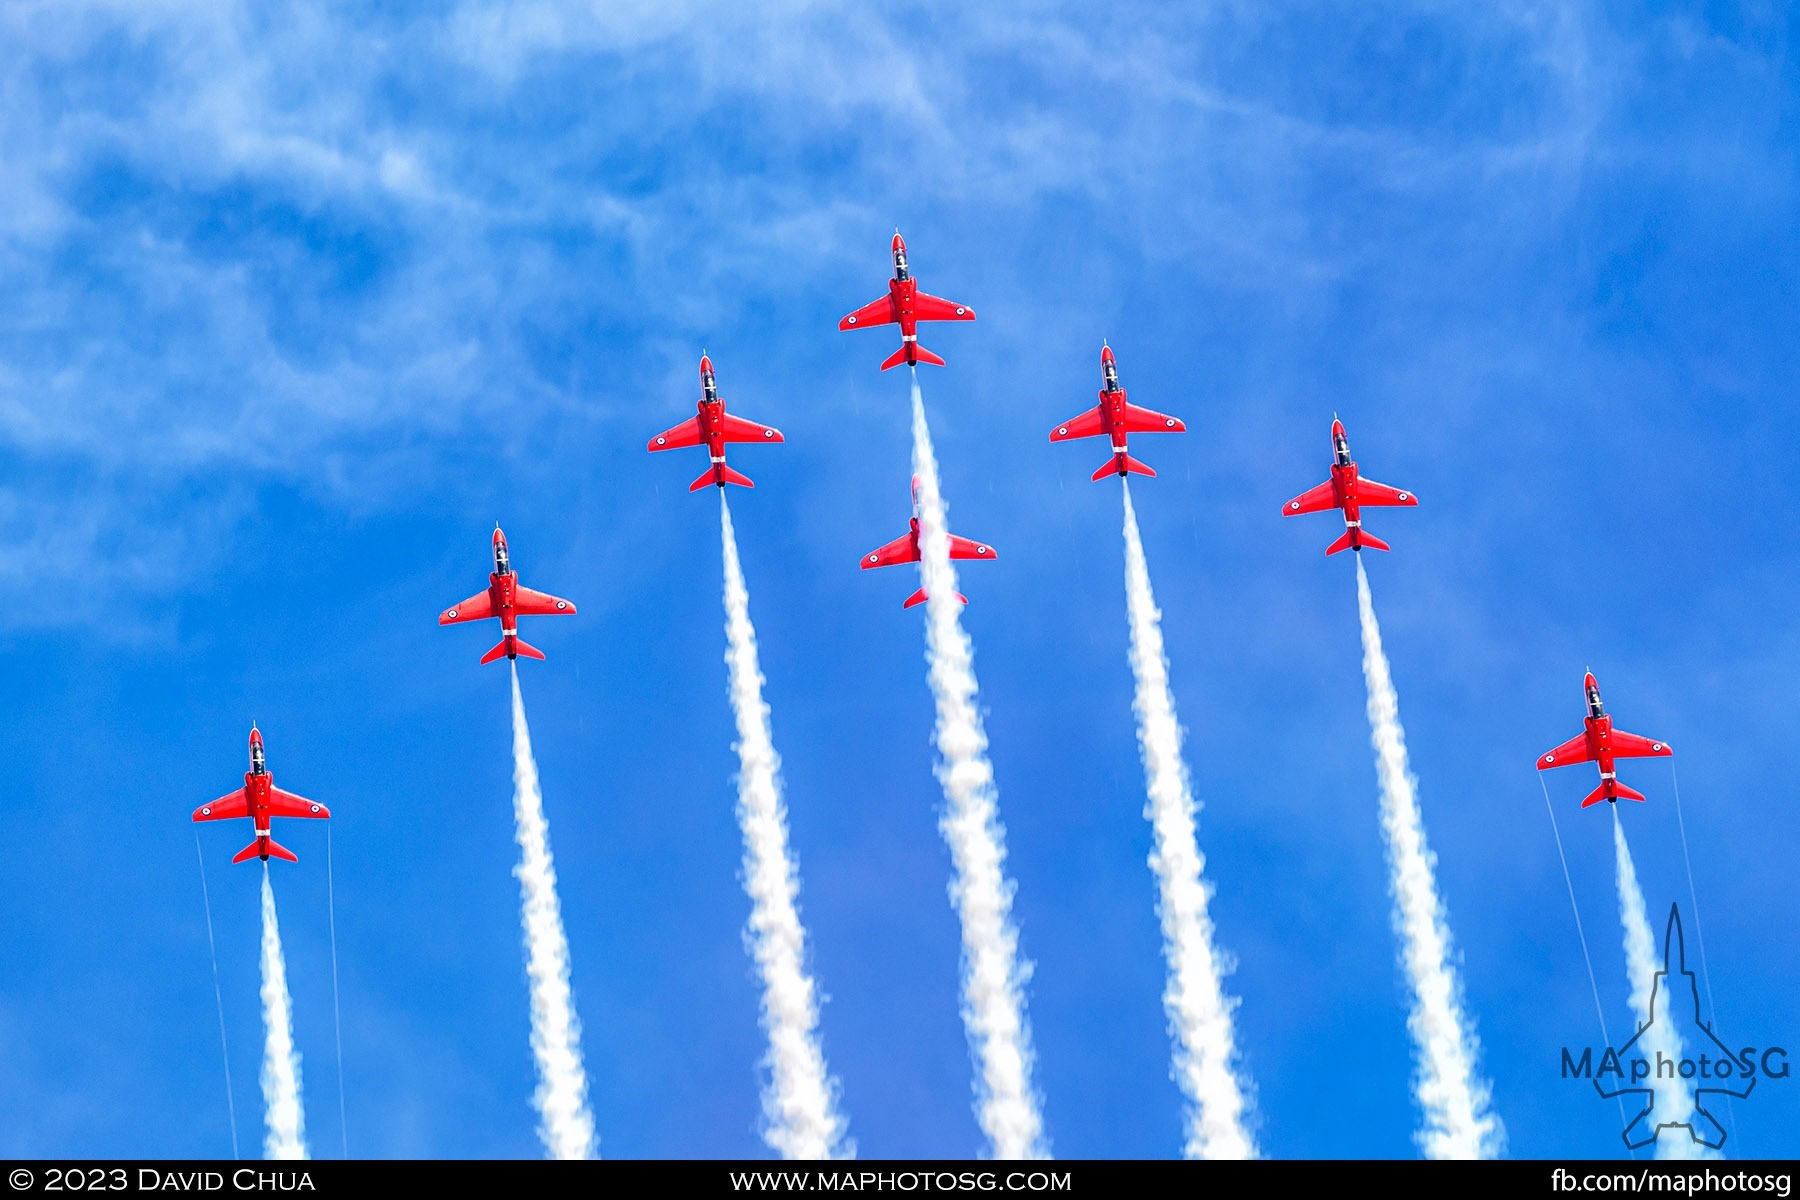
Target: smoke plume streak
[
  {"x": 564, "y": 1123},
  {"x": 1661, "y": 1041},
  {"x": 1199, "y": 1012},
  {"x": 993, "y": 1005},
  {"x": 286, "y": 1120},
  {"x": 1453, "y": 1098},
  {"x": 799, "y": 1098}
]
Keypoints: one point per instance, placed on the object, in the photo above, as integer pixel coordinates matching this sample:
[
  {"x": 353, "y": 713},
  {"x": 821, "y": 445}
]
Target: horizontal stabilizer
[
  {"x": 1122, "y": 465},
  {"x": 1624, "y": 793},
  {"x": 1343, "y": 543},
  {"x": 921, "y": 354},
  {"x": 275, "y": 850},
  {"x": 720, "y": 474},
  {"x": 524, "y": 650},
  {"x": 918, "y": 597},
  {"x": 497, "y": 652},
  {"x": 896, "y": 358},
  {"x": 1372, "y": 542},
  {"x": 1598, "y": 794}
]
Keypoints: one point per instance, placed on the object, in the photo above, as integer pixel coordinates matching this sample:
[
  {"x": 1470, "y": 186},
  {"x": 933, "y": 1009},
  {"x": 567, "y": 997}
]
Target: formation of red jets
[{"x": 1113, "y": 418}]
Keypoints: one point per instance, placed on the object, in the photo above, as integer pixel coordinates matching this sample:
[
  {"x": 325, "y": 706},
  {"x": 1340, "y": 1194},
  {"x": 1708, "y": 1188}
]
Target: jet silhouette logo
[{"x": 1673, "y": 1057}]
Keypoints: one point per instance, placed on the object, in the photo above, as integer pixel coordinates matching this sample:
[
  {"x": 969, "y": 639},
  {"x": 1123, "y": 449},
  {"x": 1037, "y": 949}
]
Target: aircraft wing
[
  {"x": 1630, "y": 745},
  {"x": 1378, "y": 494},
  {"x": 478, "y": 607},
  {"x": 962, "y": 547},
  {"x": 1145, "y": 420},
  {"x": 936, "y": 308},
  {"x": 685, "y": 434},
  {"x": 1088, "y": 424},
  {"x": 1575, "y": 750},
  {"x": 1314, "y": 500},
  {"x": 286, "y": 804},
  {"x": 875, "y": 312},
  {"x": 530, "y": 603},
  {"x": 901, "y": 549},
  {"x": 231, "y": 804},
  {"x": 739, "y": 430}
]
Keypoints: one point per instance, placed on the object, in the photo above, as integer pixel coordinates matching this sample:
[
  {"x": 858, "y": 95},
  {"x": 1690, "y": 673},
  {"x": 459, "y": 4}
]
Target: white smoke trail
[
  {"x": 1674, "y": 1102},
  {"x": 1453, "y": 1097},
  {"x": 564, "y": 1122},
  {"x": 1199, "y": 1011},
  {"x": 993, "y": 977},
  {"x": 286, "y": 1137},
  {"x": 803, "y": 1121}
]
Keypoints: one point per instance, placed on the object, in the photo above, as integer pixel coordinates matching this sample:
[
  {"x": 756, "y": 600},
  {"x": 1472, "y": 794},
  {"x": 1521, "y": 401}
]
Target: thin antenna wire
[
  {"x": 1569, "y": 882},
  {"x": 218, "y": 995},
  {"x": 337, "y": 1019},
  {"x": 1712, "y": 1007}
]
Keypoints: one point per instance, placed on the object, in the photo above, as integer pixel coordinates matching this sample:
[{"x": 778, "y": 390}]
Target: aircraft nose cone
[
  {"x": 706, "y": 367},
  {"x": 1337, "y": 428},
  {"x": 899, "y": 242},
  {"x": 1106, "y": 354}
]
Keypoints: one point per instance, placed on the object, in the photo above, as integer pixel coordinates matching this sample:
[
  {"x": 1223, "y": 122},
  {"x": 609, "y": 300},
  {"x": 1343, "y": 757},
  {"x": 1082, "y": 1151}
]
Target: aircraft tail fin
[
  {"x": 720, "y": 474},
  {"x": 919, "y": 355},
  {"x": 1122, "y": 465},
  {"x": 275, "y": 849},
  {"x": 918, "y": 597}
]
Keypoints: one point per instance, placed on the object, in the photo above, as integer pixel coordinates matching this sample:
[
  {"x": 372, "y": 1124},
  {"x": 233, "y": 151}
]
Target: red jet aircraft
[
  {"x": 259, "y": 799},
  {"x": 906, "y": 305},
  {"x": 905, "y": 549},
  {"x": 1601, "y": 743},
  {"x": 509, "y": 600},
  {"x": 714, "y": 427},
  {"x": 1114, "y": 418},
  {"x": 1349, "y": 491}
]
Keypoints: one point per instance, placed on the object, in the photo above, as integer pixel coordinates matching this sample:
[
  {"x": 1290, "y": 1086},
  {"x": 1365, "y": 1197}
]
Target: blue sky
[{"x": 297, "y": 303}]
